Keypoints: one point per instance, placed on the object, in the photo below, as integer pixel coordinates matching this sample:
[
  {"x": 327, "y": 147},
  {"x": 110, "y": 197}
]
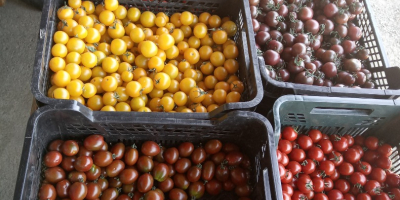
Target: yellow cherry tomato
[
  {"x": 78, "y": 13},
  {"x": 59, "y": 50},
  {"x": 214, "y": 21},
  {"x": 56, "y": 64},
  {"x": 156, "y": 63},
  {"x": 137, "y": 35},
  {"x": 165, "y": 41},
  {"x": 186, "y": 30},
  {"x": 162, "y": 81},
  {"x": 110, "y": 65},
  {"x": 98, "y": 72},
  {"x": 192, "y": 55},
  {"x": 123, "y": 107},
  {"x": 74, "y": 3},
  {"x": 127, "y": 76},
  {"x": 176, "y": 19},
  {"x": 120, "y": 94},
  {"x": 156, "y": 93},
  {"x": 144, "y": 109},
  {"x": 96, "y": 81},
  {"x": 167, "y": 104},
  {"x": 100, "y": 57},
  {"x": 173, "y": 87},
  {"x": 134, "y": 89},
  {"x": 171, "y": 70},
  {"x": 60, "y": 37},
  {"x": 200, "y": 30},
  {"x": 194, "y": 42},
  {"x": 109, "y": 84},
  {"x": 147, "y": 19},
  {"x": 212, "y": 107},
  {"x": 137, "y": 103},
  {"x": 101, "y": 28},
  {"x": 93, "y": 36},
  {"x": 187, "y": 84},
  {"x": 147, "y": 84},
  {"x": 118, "y": 47},
  {"x": 197, "y": 95},
  {"x": 111, "y": 5},
  {"x": 141, "y": 61},
  {"x": 105, "y": 48},
  {"x": 116, "y": 31},
  {"x": 74, "y": 70},
  {"x": 120, "y": 12},
  {"x": 160, "y": 21},
  {"x": 61, "y": 78},
  {"x": 95, "y": 102},
  {"x": 180, "y": 98},
  {"x": 65, "y": 12},
  {"x": 89, "y": 7},
  {"x": 203, "y": 18},
  {"x": 73, "y": 57},
  {"x": 107, "y": 17},
  {"x": 68, "y": 26},
  {"x": 230, "y": 28},
  {"x": 74, "y": 88},
  {"x": 108, "y": 108},
  {"x": 89, "y": 90},
  {"x": 89, "y": 59},
  {"x": 86, "y": 74},
  {"x": 124, "y": 66},
  {"x": 61, "y": 93},
  {"x": 128, "y": 57},
  {"x": 172, "y": 52},
  {"x": 149, "y": 49},
  {"x": 134, "y": 14},
  {"x": 128, "y": 41},
  {"x": 186, "y": 18},
  {"x": 79, "y": 99}
]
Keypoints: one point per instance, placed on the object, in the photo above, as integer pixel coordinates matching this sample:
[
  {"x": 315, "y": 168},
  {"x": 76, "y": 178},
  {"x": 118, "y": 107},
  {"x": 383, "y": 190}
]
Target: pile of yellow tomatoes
[{"x": 113, "y": 58}]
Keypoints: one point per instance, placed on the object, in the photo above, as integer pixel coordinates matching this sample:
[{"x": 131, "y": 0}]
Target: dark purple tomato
[
  {"x": 256, "y": 25},
  {"x": 369, "y": 84},
  {"x": 305, "y": 14},
  {"x": 283, "y": 11},
  {"x": 317, "y": 63},
  {"x": 275, "y": 35},
  {"x": 367, "y": 73},
  {"x": 160, "y": 172},
  {"x": 77, "y": 190},
  {"x": 287, "y": 54},
  {"x": 213, "y": 187},
  {"x": 265, "y": 5},
  {"x": 275, "y": 46},
  {"x": 318, "y": 81},
  {"x": 70, "y": 148},
  {"x": 329, "y": 56},
  {"x": 304, "y": 78},
  {"x": 271, "y": 57},
  {"x": 171, "y": 155},
  {"x": 218, "y": 158},
  {"x": 283, "y": 75},
  {"x": 160, "y": 156},
  {"x": 329, "y": 26},
  {"x": 238, "y": 176},
  {"x": 302, "y": 38},
  {"x": 282, "y": 27},
  {"x": 312, "y": 26},
  {"x": 341, "y": 31},
  {"x": 299, "y": 49},
  {"x": 264, "y": 28},
  {"x": 293, "y": 7},
  {"x": 196, "y": 190},
  {"x": 93, "y": 191},
  {"x": 330, "y": 10},
  {"x": 131, "y": 155},
  {"x": 352, "y": 65},
  {"x": 354, "y": 33},
  {"x": 297, "y": 26},
  {"x": 338, "y": 49},
  {"x": 341, "y": 18},
  {"x": 287, "y": 39},
  {"x": 316, "y": 44},
  {"x": 320, "y": 53},
  {"x": 356, "y": 8},
  {"x": 349, "y": 79},
  {"x": 360, "y": 78},
  {"x": 128, "y": 176},
  {"x": 328, "y": 83},
  {"x": 262, "y": 38},
  {"x": 341, "y": 76},
  {"x": 198, "y": 156},
  {"x": 362, "y": 54},
  {"x": 271, "y": 19},
  {"x": 295, "y": 66},
  {"x": 253, "y": 11},
  {"x": 329, "y": 69},
  {"x": 102, "y": 158},
  {"x": 84, "y": 152},
  {"x": 310, "y": 67}
]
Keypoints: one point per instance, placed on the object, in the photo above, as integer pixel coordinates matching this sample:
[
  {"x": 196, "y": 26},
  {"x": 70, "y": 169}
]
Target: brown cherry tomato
[
  {"x": 103, "y": 182},
  {"x": 55, "y": 145},
  {"x": 94, "y": 173},
  {"x": 62, "y": 188},
  {"x": 150, "y": 148},
  {"x": 194, "y": 173},
  {"x": 128, "y": 176},
  {"x": 145, "y": 164},
  {"x": 47, "y": 192},
  {"x": 228, "y": 147},
  {"x": 214, "y": 187},
  {"x": 114, "y": 182},
  {"x": 238, "y": 176},
  {"x": 93, "y": 191},
  {"x": 196, "y": 190},
  {"x": 198, "y": 156},
  {"x": 222, "y": 173},
  {"x": 118, "y": 151},
  {"x": 234, "y": 158},
  {"x": 93, "y": 142},
  {"x": 177, "y": 194},
  {"x": 70, "y": 148},
  {"x": 171, "y": 155},
  {"x": 102, "y": 158},
  {"x": 54, "y": 174},
  {"x": 109, "y": 194},
  {"x": 218, "y": 158},
  {"x": 53, "y": 159},
  {"x": 83, "y": 163},
  {"x": 84, "y": 152},
  {"x": 145, "y": 183},
  {"x": 181, "y": 181},
  {"x": 115, "y": 168},
  {"x": 160, "y": 172},
  {"x": 208, "y": 170},
  {"x": 228, "y": 185},
  {"x": 77, "y": 191},
  {"x": 243, "y": 190},
  {"x": 185, "y": 149},
  {"x": 213, "y": 146},
  {"x": 131, "y": 155},
  {"x": 166, "y": 185},
  {"x": 160, "y": 157}
]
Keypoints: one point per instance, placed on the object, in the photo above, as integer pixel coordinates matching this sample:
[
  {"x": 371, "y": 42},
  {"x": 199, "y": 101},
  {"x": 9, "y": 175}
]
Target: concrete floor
[{"x": 19, "y": 25}]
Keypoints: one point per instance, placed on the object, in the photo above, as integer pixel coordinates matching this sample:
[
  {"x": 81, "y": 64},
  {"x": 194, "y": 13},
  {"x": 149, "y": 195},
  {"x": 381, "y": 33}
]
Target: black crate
[
  {"x": 252, "y": 132},
  {"x": 335, "y": 115},
  {"x": 385, "y": 77},
  {"x": 248, "y": 71}
]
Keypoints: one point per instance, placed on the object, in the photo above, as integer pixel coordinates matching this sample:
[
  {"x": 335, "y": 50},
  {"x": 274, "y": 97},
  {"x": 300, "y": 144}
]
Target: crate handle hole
[{"x": 341, "y": 111}]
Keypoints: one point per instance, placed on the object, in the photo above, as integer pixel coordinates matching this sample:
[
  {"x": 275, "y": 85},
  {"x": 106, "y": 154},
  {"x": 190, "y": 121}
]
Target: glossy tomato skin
[
  {"x": 305, "y": 142},
  {"x": 208, "y": 170},
  {"x": 378, "y": 174},
  {"x": 77, "y": 190},
  {"x": 315, "y": 135},
  {"x": 118, "y": 151},
  {"x": 70, "y": 148},
  {"x": 363, "y": 167},
  {"x": 363, "y": 196},
  {"x": 342, "y": 185},
  {"x": 327, "y": 166},
  {"x": 370, "y": 156},
  {"x": 94, "y": 173},
  {"x": 349, "y": 196},
  {"x": 145, "y": 164},
  {"x": 185, "y": 149},
  {"x": 166, "y": 185},
  {"x": 181, "y": 181},
  {"x": 358, "y": 178},
  {"x": 346, "y": 169},
  {"x": 219, "y": 157},
  {"x": 385, "y": 150},
  {"x": 320, "y": 196},
  {"x": 196, "y": 190},
  {"x": 336, "y": 158},
  {"x": 384, "y": 162},
  {"x": 53, "y": 159},
  {"x": 234, "y": 158},
  {"x": 315, "y": 153},
  {"x": 145, "y": 183},
  {"x": 194, "y": 173},
  {"x": 294, "y": 167},
  {"x": 297, "y": 195},
  {"x": 171, "y": 155},
  {"x": 54, "y": 175},
  {"x": 297, "y": 155},
  {"x": 308, "y": 166},
  {"x": 55, "y": 145},
  {"x": 393, "y": 180},
  {"x": 93, "y": 142},
  {"x": 47, "y": 191},
  {"x": 326, "y": 146},
  {"x": 182, "y": 165},
  {"x": 213, "y": 187},
  {"x": 150, "y": 148},
  {"x": 238, "y": 176},
  {"x": 213, "y": 146},
  {"x": 102, "y": 158},
  {"x": 318, "y": 184},
  {"x": 285, "y": 146},
  {"x": 372, "y": 187},
  {"x": 115, "y": 168},
  {"x": 288, "y": 189},
  {"x": 304, "y": 184},
  {"x": 160, "y": 172},
  {"x": 340, "y": 144},
  {"x": 285, "y": 159},
  {"x": 328, "y": 184},
  {"x": 62, "y": 188},
  {"x": 198, "y": 156},
  {"x": 352, "y": 155},
  {"x": 131, "y": 156},
  {"x": 222, "y": 173},
  {"x": 177, "y": 194},
  {"x": 335, "y": 194},
  {"x": 288, "y": 133},
  {"x": 371, "y": 143},
  {"x": 83, "y": 163}
]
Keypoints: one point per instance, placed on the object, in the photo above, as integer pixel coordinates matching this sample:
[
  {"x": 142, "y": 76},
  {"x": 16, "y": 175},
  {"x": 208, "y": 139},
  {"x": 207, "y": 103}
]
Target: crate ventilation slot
[
  {"x": 370, "y": 122},
  {"x": 292, "y": 117}
]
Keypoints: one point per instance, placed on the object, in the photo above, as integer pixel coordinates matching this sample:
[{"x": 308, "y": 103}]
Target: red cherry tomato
[
  {"x": 326, "y": 146},
  {"x": 327, "y": 166},
  {"x": 352, "y": 155},
  {"x": 342, "y": 185},
  {"x": 371, "y": 142},
  {"x": 297, "y": 155},
  {"x": 340, "y": 143},
  {"x": 359, "y": 140},
  {"x": 358, "y": 178},
  {"x": 372, "y": 187},
  {"x": 384, "y": 162},
  {"x": 378, "y": 174},
  {"x": 308, "y": 166},
  {"x": 285, "y": 146},
  {"x": 304, "y": 184},
  {"x": 328, "y": 184},
  {"x": 335, "y": 194},
  {"x": 315, "y": 135},
  {"x": 318, "y": 184},
  {"x": 294, "y": 167},
  {"x": 336, "y": 158},
  {"x": 364, "y": 168},
  {"x": 385, "y": 150},
  {"x": 288, "y": 133},
  {"x": 305, "y": 142},
  {"x": 315, "y": 153}
]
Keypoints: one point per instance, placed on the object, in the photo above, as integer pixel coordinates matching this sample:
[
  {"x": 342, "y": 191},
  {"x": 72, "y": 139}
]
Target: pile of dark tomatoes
[
  {"x": 322, "y": 167},
  {"x": 313, "y": 42},
  {"x": 91, "y": 170}
]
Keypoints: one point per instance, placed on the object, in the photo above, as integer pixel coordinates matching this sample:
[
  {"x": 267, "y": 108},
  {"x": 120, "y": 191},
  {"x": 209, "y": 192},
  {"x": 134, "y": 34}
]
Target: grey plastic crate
[
  {"x": 333, "y": 115},
  {"x": 249, "y": 72},
  {"x": 251, "y": 131},
  {"x": 385, "y": 76}
]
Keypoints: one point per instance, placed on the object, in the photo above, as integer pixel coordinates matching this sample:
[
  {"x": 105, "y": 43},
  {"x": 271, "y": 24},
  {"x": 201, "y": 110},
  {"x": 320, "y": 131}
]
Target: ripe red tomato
[
  {"x": 233, "y": 158},
  {"x": 326, "y": 146},
  {"x": 294, "y": 167},
  {"x": 350, "y": 140},
  {"x": 52, "y": 159},
  {"x": 288, "y": 133},
  {"x": 346, "y": 169},
  {"x": 364, "y": 168},
  {"x": 320, "y": 196},
  {"x": 308, "y": 166},
  {"x": 282, "y": 171},
  {"x": 393, "y": 180},
  {"x": 315, "y": 153},
  {"x": 285, "y": 159},
  {"x": 370, "y": 156},
  {"x": 359, "y": 140},
  {"x": 213, "y": 187},
  {"x": 310, "y": 195},
  {"x": 349, "y": 196},
  {"x": 352, "y": 155},
  {"x": 304, "y": 184},
  {"x": 371, "y": 142},
  {"x": 340, "y": 143},
  {"x": 342, "y": 185},
  {"x": 288, "y": 178},
  {"x": 385, "y": 150},
  {"x": 185, "y": 149},
  {"x": 328, "y": 184},
  {"x": 358, "y": 178},
  {"x": 384, "y": 162},
  {"x": 335, "y": 194},
  {"x": 297, "y": 195},
  {"x": 335, "y": 176},
  {"x": 395, "y": 192},
  {"x": 278, "y": 157},
  {"x": 360, "y": 149},
  {"x": 318, "y": 184},
  {"x": 288, "y": 189},
  {"x": 315, "y": 135},
  {"x": 372, "y": 187},
  {"x": 93, "y": 142},
  {"x": 297, "y": 155},
  {"x": 285, "y": 146},
  {"x": 327, "y": 166},
  {"x": 382, "y": 196},
  {"x": 285, "y": 196},
  {"x": 336, "y": 158},
  {"x": 305, "y": 142},
  {"x": 378, "y": 174},
  {"x": 213, "y": 146},
  {"x": 363, "y": 196}
]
